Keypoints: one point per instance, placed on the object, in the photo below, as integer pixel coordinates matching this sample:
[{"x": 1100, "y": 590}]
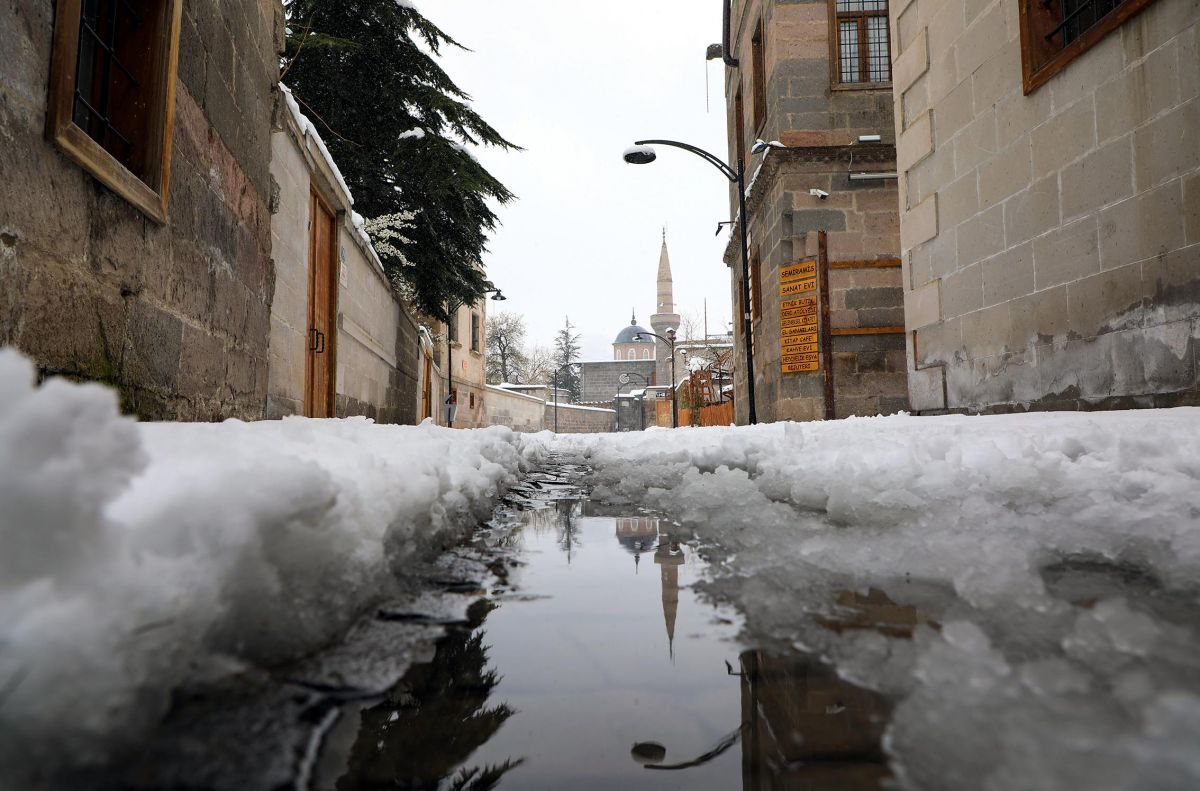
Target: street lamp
[
  {"x": 623, "y": 380},
  {"x": 451, "y": 396},
  {"x": 555, "y": 381},
  {"x": 670, "y": 339},
  {"x": 642, "y": 153}
]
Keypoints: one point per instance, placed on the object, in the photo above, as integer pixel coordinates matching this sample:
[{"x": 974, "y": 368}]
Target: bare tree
[
  {"x": 539, "y": 365},
  {"x": 505, "y": 347}
]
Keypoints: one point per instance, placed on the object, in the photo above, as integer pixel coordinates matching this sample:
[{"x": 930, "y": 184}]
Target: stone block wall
[
  {"x": 573, "y": 419},
  {"x": 175, "y": 316},
  {"x": 519, "y": 412},
  {"x": 378, "y": 344},
  {"x": 820, "y": 124},
  {"x": 599, "y": 380},
  {"x": 1051, "y": 241}
]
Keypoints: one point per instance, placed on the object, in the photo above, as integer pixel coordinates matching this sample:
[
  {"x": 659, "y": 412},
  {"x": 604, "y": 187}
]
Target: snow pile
[
  {"x": 1027, "y": 587},
  {"x": 141, "y": 556}
]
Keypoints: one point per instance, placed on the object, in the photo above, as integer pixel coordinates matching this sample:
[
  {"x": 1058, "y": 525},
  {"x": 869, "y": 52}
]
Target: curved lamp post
[
  {"x": 670, "y": 339},
  {"x": 642, "y": 154},
  {"x": 451, "y": 396},
  {"x": 624, "y": 380},
  {"x": 555, "y": 380}
]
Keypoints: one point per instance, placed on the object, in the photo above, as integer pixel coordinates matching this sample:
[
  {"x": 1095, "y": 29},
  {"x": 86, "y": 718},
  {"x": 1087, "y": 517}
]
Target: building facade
[
  {"x": 135, "y": 233},
  {"x": 462, "y": 357},
  {"x": 813, "y": 79},
  {"x": 1050, "y": 186}
]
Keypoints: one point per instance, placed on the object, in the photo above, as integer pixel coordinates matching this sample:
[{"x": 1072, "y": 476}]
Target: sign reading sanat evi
[{"x": 798, "y": 317}]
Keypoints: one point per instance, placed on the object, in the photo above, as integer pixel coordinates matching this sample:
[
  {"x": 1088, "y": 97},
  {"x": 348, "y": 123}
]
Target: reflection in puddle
[
  {"x": 566, "y": 683},
  {"x": 431, "y": 722}
]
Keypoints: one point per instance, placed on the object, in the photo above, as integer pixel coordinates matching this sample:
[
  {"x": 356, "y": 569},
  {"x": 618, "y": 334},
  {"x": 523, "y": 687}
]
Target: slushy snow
[
  {"x": 140, "y": 557},
  {"x": 1027, "y": 587}
]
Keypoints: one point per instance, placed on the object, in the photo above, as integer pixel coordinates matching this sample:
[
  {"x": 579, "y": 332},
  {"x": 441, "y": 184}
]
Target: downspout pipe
[{"x": 726, "y": 49}]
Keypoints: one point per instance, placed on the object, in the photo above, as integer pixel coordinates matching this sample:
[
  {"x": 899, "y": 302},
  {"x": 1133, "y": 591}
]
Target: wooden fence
[{"x": 715, "y": 415}]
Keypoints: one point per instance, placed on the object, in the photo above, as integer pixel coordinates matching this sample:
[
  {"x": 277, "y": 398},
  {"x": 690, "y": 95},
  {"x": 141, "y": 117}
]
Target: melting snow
[{"x": 1028, "y": 587}]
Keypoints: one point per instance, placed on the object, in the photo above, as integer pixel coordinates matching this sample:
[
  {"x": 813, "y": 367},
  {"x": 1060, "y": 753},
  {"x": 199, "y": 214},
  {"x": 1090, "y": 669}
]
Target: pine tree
[
  {"x": 566, "y": 352},
  {"x": 365, "y": 73}
]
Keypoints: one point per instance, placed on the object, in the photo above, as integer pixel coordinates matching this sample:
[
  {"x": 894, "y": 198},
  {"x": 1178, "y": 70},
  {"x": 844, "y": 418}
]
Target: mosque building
[{"x": 638, "y": 357}]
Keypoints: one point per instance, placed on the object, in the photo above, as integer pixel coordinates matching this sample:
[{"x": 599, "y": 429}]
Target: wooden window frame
[
  {"x": 1040, "y": 60},
  {"x": 835, "y": 54},
  {"x": 149, "y": 195},
  {"x": 739, "y": 121},
  {"x": 476, "y": 331},
  {"x": 758, "y": 76},
  {"x": 755, "y": 284}
]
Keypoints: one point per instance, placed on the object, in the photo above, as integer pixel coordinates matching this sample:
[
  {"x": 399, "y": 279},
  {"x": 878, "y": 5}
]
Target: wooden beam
[
  {"x": 866, "y": 263},
  {"x": 868, "y": 331}
]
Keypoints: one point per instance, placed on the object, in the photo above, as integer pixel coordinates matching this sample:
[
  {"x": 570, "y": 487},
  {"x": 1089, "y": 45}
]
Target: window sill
[{"x": 861, "y": 86}]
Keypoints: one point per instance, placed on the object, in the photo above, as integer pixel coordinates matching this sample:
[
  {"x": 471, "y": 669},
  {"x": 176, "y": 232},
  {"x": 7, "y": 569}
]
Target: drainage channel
[{"x": 592, "y": 664}]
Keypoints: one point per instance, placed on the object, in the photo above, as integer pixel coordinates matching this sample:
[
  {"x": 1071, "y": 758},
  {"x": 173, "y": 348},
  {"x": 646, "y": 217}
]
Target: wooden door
[
  {"x": 427, "y": 392},
  {"x": 320, "y": 364}
]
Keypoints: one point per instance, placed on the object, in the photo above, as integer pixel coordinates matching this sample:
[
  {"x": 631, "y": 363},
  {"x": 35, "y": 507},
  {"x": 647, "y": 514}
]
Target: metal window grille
[
  {"x": 101, "y": 73},
  {"x": 864, "y": 54},
  {"x": 1078, "y": 16}
]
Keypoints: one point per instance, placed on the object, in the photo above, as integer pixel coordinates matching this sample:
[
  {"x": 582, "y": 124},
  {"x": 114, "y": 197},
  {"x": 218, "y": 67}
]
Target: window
[
  {"x": 1055, "y": 32},
  {"x": 645, "y": 354},
  {"x": 472, "y": 400},
  {"x": 862, "y": 57},
  {"x": 739, "y": 125},
  {"x": 632, "y": 354},
  {"x": 759, "y": 77},
  {"x": 475, "y": 332},
  {"x": 112, "y": 93}
]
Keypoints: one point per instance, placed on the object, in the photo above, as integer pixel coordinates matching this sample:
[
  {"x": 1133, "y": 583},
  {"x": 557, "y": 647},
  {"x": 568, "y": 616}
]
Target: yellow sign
[
  {"x": 797, "y": 287},
  {"x": 798, "y": 335},
  {"x": 798, "y": 271},
  {"x": 805, "y": 357},
  {"x": 798, "y": 302},
  {"x": 792, "y": 314},
  {"x": 799, "y": 368},
  {"x": 809, "y": 320},
  {"x": 798, "y": 348}
]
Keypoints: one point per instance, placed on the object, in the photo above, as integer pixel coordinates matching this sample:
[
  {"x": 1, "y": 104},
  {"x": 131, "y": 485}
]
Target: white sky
[{"x": 574, "y": 84}]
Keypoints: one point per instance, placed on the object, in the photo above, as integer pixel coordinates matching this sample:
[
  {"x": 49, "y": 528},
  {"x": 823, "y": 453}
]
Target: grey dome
[{"x": 627, "y": 335}]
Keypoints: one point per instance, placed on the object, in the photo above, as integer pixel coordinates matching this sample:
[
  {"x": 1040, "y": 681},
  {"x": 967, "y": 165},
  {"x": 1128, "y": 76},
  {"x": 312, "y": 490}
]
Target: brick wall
[
  {"x": 1051, "y": 241},
  {"x": 175, "y": 316}
]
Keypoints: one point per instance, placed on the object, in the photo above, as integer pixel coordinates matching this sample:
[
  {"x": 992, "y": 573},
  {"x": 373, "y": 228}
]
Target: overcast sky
[{"x": 574, "y": 84}]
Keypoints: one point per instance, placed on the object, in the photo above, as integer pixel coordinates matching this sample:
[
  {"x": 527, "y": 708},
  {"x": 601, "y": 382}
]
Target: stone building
[
  {"x": 462, "y": 357},
  {"x": 135, "y": 233},
  {"x": 814, "y": 79},
  {"x": 1050, "y": 186}
]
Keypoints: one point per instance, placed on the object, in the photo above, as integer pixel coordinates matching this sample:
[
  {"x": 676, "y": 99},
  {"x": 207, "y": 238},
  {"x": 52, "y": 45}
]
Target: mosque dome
[{"x": 629, "y": 334}]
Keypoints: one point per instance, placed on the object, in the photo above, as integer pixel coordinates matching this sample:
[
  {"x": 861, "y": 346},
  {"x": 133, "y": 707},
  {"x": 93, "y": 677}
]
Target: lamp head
[
  {"x": 671, "y": 335},
  {"x": 640, "y": 155},
  {"x": 498, "y": 296}
]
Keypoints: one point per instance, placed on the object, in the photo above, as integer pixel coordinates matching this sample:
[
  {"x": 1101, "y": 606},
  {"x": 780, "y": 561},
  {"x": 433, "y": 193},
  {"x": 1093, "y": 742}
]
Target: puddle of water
[{"x": 600, "y": 668}]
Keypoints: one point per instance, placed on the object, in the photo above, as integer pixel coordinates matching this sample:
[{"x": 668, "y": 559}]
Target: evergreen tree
[
  {"x": 566, "y": 351},
  {"x": 364, "y": 72}
]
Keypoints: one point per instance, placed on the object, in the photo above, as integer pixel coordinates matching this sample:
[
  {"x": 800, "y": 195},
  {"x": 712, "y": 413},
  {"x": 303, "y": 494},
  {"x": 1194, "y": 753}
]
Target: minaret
[{"x": 664, "y": 318}]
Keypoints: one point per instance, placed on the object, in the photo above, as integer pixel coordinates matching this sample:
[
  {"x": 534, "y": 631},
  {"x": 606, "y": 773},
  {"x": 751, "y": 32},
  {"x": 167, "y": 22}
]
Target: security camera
[{"x": 821, "y": 194}]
